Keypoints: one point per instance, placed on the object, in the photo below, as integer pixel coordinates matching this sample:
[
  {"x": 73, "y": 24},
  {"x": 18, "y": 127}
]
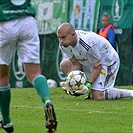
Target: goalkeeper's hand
[
  {"x": 82, "y": 89},
  {"x": 66, "y": 87}
]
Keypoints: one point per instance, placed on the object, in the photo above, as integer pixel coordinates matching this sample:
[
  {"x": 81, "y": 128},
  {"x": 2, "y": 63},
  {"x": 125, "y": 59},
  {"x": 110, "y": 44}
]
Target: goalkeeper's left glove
[{"x": 82, "y": 90}]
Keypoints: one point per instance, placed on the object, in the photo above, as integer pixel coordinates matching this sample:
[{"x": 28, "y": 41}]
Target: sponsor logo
[
  {"x": 18, "y": 70},
  {"x": 81, "y": 59},
  {"x": 18, "y": 2},
  {"x": 117, "y": 9},
  {"x": 103, "y": 73}
]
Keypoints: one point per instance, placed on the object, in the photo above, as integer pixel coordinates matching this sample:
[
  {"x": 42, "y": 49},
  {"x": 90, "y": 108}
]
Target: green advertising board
[
  {"x": 121, "y": 12},
  {"x": 50, "y": 14},
  {"x": 51, "y": 56}
]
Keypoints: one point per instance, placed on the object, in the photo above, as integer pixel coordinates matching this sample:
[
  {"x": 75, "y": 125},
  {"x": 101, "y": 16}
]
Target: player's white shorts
[
  {"x": 22, "y": 35},
  {"x": 107, "y": 77}
]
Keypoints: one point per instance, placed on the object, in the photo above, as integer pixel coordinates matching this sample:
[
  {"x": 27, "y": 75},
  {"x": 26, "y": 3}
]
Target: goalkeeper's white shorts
[
  {"x": 107, "y": 77},
  {"x": 22, "y": 35}
]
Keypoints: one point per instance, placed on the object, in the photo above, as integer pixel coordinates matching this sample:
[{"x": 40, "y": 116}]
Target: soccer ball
[
  {"x": 51, "y": 83},
  {"x": 75, "y": 79}
]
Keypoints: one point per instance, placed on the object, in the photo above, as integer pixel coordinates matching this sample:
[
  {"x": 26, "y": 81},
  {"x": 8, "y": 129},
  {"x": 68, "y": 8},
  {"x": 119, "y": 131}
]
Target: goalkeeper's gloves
[
  {"x": 66, "y": 87},
  {"x": 88, "y": 85},
  {"x": 82, "y": 89}
]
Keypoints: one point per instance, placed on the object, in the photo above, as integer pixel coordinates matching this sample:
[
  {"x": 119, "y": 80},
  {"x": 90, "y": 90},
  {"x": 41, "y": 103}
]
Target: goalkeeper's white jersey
[{"x": 91, "y": 49}]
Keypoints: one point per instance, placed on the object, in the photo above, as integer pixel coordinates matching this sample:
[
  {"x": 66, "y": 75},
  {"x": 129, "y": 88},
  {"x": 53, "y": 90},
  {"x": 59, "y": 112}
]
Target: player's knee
[
  {"x": 4, "y": 80},
  {"x": 30, "y": 77},
  {"x": 97, "y": 95},
  {"x": 65, "y": 66}
]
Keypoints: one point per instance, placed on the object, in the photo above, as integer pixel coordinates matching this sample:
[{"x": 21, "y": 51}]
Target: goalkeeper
[{"x": 94, "y": 55}]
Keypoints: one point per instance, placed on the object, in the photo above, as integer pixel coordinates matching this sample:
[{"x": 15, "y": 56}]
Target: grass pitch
[{"x": 74, "y": 115}]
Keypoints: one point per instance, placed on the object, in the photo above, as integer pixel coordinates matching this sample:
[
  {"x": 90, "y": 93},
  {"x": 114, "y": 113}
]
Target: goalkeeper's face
[
  {"x": 67, "y": 39},
  {"x": 67, "y": 35}
]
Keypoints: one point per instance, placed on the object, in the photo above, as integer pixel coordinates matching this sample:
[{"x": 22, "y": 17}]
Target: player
[
  {"x": 18, "y": 31},
  {"x": 94, "y": 55},
  {"x": 107, "y": 31}
]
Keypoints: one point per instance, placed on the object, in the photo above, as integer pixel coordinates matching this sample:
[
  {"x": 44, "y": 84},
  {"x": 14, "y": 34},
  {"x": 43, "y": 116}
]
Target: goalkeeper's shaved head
[
  {"x": 67, "y": 35},
  {"x": 67, "y": 28}
]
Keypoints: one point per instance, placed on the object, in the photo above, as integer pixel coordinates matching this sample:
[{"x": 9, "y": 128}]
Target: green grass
[{"x": 74, "y": 115}]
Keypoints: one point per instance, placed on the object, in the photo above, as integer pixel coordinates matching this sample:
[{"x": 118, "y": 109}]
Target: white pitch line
[{"x": 77, "y": 110}]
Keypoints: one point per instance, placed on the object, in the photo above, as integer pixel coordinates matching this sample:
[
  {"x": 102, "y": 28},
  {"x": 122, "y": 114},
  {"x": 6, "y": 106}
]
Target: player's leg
[
  {"x": 40, "y": 83},
  {"x": 97, "y": 95},
  {"x": 111, "y": 92},
  {"x": 29, "y": 53},
  {"x": 107, "y": 79},
  {"x": 5, "y": 97},
  {"x": 96, "y": 91},
  {"x": 115, "y": 93},
  {"x": 65, "y": 66},
  {"x": 7, "y": 47}
]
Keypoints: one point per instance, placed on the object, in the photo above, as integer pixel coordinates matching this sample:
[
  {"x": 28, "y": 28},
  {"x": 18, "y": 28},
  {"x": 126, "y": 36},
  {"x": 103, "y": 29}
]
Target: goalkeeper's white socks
[{"x": 115, "y": 93}]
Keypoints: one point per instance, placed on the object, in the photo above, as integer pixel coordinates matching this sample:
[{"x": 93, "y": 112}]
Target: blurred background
[{"x": 85, "y": 15}]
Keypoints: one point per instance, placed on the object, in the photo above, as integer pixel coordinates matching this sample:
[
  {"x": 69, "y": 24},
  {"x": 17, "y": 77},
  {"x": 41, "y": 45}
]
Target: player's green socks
[
  {"x": 5, "y": 97},
  {"x": 41, "y": 86}
]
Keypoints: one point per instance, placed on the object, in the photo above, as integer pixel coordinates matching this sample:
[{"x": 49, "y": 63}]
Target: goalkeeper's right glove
[{"x": 66, "y": 87}]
